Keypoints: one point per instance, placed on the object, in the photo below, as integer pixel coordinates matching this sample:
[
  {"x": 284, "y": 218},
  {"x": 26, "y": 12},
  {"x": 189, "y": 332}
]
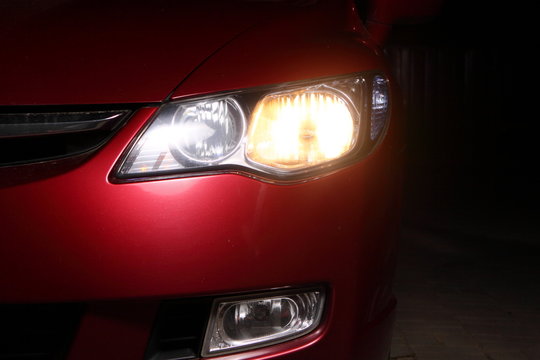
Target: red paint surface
[
  {"x": 289, "y": 48},
  {"x": 75, "y": 236},
  {"x": 119, "y": 51}
]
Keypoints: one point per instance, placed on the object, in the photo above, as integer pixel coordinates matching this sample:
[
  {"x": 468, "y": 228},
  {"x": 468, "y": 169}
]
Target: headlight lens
[
  {"x": 303, "y": 128},
  {"x": 236, "y": 323},
  {"x": 287, "y": 132},
  {"x": 207, "y": 131},
  {"x": 379, "y": 105}
]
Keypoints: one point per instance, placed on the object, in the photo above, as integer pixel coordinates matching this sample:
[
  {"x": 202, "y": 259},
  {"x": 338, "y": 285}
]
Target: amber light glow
[{"x": 300, "y": 129}]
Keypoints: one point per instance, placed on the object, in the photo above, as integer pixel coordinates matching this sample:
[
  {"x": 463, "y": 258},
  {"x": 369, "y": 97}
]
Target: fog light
[{"x": 244, "y": 323}]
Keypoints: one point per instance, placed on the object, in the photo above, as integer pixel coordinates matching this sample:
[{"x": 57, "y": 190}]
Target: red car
[{"x": 196, "y": 179}]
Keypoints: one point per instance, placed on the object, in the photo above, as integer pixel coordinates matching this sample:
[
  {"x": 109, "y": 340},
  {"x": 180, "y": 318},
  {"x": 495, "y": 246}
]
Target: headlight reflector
[
  {"x": 236, "y": 323},
  {"x": 191, "y": 134},
  {"x": 207, "y": 131},
  {"x": 300, "y": 128}
]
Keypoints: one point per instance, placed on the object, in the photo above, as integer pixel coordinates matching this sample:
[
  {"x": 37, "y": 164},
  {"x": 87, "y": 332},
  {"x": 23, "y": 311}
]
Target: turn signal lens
[
  {"x": 240, "y": 323},
  {"x": 300, "y": 129},
  {"x": 379, "y": 105}
]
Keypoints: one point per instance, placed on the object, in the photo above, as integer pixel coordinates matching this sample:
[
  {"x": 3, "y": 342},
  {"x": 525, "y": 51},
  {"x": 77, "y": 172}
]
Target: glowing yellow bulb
[{"x": 300, "y": 129}]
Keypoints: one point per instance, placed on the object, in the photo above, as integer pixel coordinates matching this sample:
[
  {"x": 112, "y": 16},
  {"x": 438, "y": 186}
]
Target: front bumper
[{"x": 122, "y": 248}]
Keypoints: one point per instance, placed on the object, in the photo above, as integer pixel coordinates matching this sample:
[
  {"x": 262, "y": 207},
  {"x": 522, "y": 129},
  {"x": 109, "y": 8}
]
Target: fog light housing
[{"x": 242, "y": 323}]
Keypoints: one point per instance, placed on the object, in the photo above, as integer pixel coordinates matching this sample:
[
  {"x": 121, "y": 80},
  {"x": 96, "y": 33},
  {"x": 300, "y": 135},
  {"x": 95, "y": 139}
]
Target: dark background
[
  {"x": 467, "y": 78},
  {"x": 468, "y": 277}
]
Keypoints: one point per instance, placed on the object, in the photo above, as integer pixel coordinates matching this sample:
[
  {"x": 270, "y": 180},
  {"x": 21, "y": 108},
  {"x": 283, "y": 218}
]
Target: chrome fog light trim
[{"x": 252, "y": 321}]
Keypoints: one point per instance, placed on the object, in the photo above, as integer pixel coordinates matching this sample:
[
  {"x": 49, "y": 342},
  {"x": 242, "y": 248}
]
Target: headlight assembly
[{"x": 286, "y": 132}]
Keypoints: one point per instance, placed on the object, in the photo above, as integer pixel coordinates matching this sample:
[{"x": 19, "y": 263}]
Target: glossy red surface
[
  {"x": 288, "y": 49},
  {"x": 99, "y": 240},
  {"x": 121, "y": 248},
  {"x": 120, "y": 51},
  {"x": 76, "y": 236}
]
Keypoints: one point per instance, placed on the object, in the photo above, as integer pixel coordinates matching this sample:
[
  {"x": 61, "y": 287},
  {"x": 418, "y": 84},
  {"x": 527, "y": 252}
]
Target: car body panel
[
  {"x": 63, "y": 52},
  {"x": 76, "y": 234},
  {"x": 91, "y": 52},
  {"x": 105, "y": 240},
  {"x": 288, "y": 48}
]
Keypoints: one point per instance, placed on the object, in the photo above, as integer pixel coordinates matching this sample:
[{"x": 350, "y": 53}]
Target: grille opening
[
  {"x": 29, "y": 137},
  {"x": 16, "y": 151},
  {"x": 179, "y": 329},
  {"x": 37, "y": 331}
]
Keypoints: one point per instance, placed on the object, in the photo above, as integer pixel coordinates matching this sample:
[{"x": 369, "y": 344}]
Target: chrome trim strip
[{"x": 34, "y": 124}]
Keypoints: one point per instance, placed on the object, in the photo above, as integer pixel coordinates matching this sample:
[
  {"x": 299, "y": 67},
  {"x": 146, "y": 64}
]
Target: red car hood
[{"x": 90, "y": 52}]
